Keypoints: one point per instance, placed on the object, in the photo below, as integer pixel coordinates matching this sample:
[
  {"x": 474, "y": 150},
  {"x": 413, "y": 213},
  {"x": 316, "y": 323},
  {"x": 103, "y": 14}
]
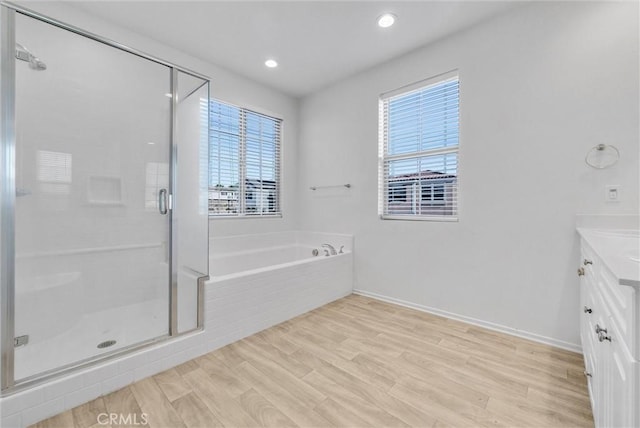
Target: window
[
  {"x": 54, "y": 172},
  {"x": 418, "y": 162},
  {"x": 244, "y": 162}
]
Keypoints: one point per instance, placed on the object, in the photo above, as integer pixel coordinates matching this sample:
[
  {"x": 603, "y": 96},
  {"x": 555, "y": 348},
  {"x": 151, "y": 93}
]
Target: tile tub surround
[
  {"x": 246, "y": 299},
  {"x": 233, "y": 310}
]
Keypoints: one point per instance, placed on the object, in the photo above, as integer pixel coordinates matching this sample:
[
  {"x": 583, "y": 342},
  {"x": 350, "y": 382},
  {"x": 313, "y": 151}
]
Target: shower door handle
[{"x": 162, "y": 201}]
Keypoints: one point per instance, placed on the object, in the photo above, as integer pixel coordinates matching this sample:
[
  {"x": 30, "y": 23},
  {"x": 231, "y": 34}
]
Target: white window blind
[
  {"x": 54, "y": 172},
  {"x": 418, "y": 161},
  {"x": 244, "y": 162},
  {"x": 54, "y": 167}
]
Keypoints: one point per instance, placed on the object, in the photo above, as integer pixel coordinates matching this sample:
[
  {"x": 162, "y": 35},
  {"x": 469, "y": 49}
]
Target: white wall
[
  {"x": 226, "y": 86},
  {"x": 539, "y": 86}
]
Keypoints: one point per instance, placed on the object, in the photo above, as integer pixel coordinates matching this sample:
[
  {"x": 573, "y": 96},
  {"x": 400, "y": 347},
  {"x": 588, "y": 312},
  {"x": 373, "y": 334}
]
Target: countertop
[{"x": 619, "y": 249}]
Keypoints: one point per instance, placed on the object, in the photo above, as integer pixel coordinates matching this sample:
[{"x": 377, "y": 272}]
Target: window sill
[
  {"x": 420, "y": 218},
  {"x": 245, "y": 216}
]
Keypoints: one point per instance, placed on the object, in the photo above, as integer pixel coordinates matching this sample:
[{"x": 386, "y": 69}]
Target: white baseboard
[{"x": 480, "y": 323}]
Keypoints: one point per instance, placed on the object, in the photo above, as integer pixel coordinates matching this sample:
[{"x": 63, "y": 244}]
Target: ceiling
[{"x": 316, "y": 43}]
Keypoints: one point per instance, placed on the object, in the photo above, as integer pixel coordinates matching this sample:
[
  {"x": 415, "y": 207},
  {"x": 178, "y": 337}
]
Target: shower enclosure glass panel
[
  {"x": 92, "y": 235},
  {"x": 191, "y": 211}
]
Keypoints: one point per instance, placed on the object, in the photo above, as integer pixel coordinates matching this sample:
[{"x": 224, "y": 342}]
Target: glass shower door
[{"x": 92, "y": 230}]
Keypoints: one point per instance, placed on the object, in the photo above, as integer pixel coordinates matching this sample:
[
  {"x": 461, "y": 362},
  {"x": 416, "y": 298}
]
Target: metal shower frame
[{"x": 8, "y": 383}]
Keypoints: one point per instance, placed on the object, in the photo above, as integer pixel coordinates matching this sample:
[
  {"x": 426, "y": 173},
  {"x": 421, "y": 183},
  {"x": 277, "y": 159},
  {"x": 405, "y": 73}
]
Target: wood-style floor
[{"x": 359, "y": 362}]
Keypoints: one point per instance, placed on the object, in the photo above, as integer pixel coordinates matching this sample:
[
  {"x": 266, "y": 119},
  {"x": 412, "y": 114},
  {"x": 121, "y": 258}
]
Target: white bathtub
[{"x": 261, "y": 280}]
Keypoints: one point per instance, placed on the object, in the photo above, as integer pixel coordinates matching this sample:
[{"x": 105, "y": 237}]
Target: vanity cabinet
[{"x": 609, "y": 331}]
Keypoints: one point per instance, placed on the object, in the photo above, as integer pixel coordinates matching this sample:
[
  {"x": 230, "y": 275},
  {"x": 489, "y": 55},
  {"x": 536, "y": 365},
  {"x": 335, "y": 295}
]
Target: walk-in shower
[{"x": 103, "y": 223}]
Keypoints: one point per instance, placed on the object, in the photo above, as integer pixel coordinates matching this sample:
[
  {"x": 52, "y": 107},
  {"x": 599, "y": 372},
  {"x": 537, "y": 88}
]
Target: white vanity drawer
[
  {"x": 621, "y": 303},
  {"x": 621, "y": 373},
  {"x": 610, "y": 333},
  {"x": 620, "y": 300}
]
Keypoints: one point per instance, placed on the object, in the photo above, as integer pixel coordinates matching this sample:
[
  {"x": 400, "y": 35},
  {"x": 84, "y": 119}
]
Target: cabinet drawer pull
[
  {"x": 587, "y": 310},
  {"x": 600, "y": 329},
  {"x": 587, "y": 262},
  {"x": 581, "y": 271},
  {"x": 602, "y": 337}
]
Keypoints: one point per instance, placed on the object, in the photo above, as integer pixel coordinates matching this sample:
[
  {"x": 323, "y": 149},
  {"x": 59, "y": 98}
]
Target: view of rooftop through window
[
  {"x": 419, "y": 150},
  {"x": 244, "y": 161}
]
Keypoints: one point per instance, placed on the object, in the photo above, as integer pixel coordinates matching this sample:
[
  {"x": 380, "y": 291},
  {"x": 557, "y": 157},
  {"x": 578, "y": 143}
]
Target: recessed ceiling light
[
  {"x": 386, "y": 20},
  {"x": 271, "y": 63}
]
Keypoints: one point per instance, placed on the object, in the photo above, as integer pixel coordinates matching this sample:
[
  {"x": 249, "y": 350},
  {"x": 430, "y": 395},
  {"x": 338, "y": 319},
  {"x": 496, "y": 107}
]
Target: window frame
[
  {"x": 242, "y": 164},
  {"x": 384, "y": 158}
]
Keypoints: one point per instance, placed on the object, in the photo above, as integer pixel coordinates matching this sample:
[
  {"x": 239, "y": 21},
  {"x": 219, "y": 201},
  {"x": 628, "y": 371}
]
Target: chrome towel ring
[{"x": 602, "y": 156}]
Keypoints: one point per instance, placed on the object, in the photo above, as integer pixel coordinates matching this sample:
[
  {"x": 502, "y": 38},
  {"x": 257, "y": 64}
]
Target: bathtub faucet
[{"x": 331, "y": 248}]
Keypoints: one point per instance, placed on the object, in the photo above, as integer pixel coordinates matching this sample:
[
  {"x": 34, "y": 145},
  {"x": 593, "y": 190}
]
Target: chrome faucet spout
[{"x": 331, "y": 249}]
